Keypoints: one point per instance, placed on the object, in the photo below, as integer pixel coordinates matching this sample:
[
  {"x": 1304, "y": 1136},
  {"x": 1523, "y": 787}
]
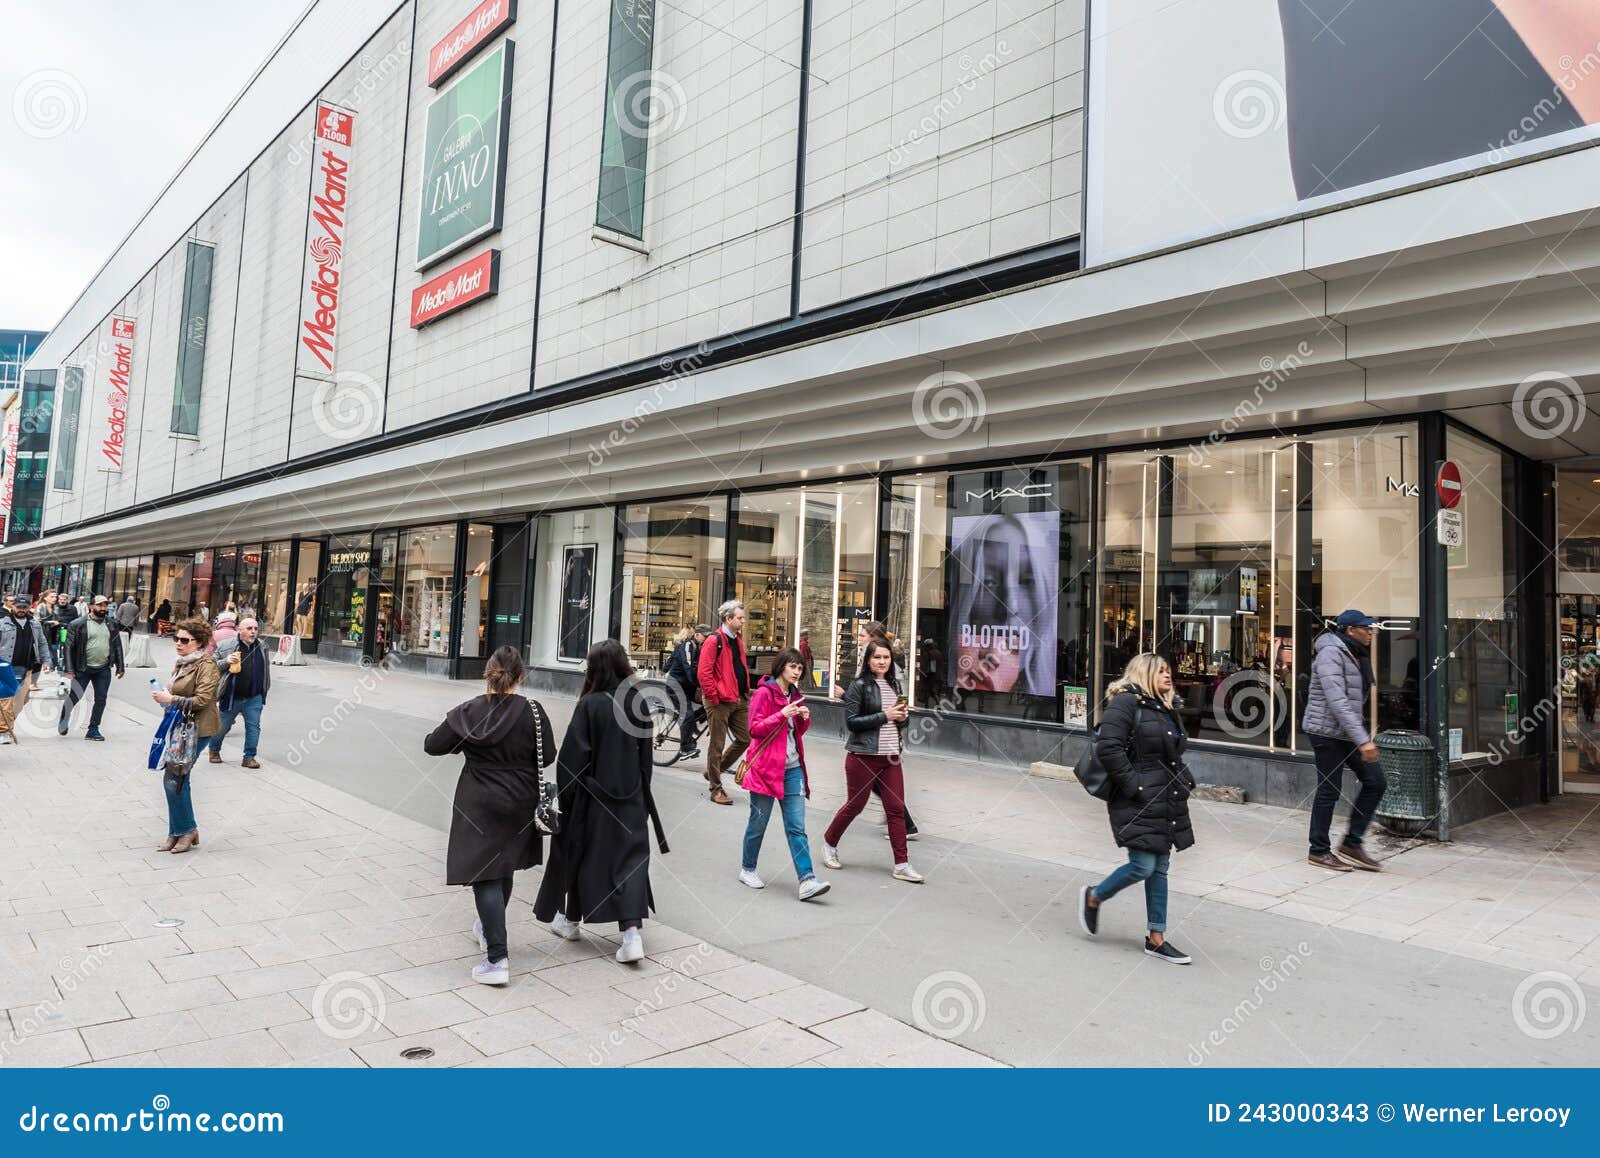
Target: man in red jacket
[{"x": 725, "y": 690}]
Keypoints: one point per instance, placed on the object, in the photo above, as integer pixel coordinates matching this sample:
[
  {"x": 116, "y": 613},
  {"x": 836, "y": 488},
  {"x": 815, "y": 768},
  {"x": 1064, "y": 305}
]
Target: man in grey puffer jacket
[{"x": 1336, "y": 723}]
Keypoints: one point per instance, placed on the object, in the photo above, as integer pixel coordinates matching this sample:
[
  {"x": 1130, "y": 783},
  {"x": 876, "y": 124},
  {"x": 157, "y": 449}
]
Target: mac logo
[{"x": 1031, "y": 491}]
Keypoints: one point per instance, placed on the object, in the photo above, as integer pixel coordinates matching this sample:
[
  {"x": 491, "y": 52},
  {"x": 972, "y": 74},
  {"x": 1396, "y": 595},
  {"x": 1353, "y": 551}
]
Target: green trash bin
[{"x": 1411, "y": 802}]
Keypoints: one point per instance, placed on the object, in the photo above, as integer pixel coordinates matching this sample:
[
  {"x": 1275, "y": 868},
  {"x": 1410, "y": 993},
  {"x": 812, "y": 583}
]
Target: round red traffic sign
[{"x": 1449, "y": 484}]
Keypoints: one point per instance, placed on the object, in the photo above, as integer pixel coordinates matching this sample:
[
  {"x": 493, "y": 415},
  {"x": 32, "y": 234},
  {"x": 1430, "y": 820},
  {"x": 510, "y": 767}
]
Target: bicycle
[{"x": 665, "y": 746}]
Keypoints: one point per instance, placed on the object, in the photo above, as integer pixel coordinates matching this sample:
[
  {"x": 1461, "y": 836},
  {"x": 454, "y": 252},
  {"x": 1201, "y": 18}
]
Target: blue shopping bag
[
  {"x": 158, "y": 745},
  {"x": 8, "y": 681}
]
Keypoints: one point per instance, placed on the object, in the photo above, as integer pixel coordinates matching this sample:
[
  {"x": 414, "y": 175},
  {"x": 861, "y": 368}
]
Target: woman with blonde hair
[{"x": 1140, "y": 743}]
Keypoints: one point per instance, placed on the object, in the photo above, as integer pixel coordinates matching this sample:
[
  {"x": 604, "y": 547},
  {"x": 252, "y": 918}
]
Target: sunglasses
[{"x": 183, "y": 639}]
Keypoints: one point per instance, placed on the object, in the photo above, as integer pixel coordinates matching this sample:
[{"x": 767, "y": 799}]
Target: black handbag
[
  {"x": 1093, "y": 775},
  {"x": 547, "y": 813}
]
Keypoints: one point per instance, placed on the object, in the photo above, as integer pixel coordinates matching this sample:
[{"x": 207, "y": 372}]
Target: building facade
[{"x": 1026, "y": 326}]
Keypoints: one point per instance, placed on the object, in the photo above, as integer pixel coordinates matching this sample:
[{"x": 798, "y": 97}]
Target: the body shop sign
[
  {"x": 461, "y": 285},
  {"x": 326, "y": 230},
  {"x": 463, "y": 159},
  {"x": 119, "y": 374},
  {"x": 481, "y": 25}
]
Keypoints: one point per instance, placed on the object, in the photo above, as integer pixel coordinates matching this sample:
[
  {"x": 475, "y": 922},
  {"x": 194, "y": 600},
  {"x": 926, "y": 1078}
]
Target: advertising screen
[
  {"x": 1005, "y": 588},
  {"x": 1207, "y": 116}
]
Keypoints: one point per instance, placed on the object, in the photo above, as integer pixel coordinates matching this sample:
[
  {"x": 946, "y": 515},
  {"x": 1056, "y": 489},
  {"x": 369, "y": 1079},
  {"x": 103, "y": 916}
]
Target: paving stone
[
  {"x": 592, "y": 1048},
  {"x": 695, "y": 1057},
  {"x": 422, "y": 980},
  {"x": 525, "y": 989},
  {"x": 750, "y": 981},
  {"x": 148, "y": 1000},
  {"x": 872, "y": 1033},
  {"x": 449, "y": 1050},
  {"x": 733, "y": 1009},
  {"x": 597, "y": 975},
  {"x": 504, "y": 1032},
  {"x": 192, "y": 965},
  {"x": 69, "y": 1013},
  {"x": 263, "y": 1012},
  {"x": 62, "y": 1048},
  {"x": 144, "y": 1034},
  {"x": 255, "y": 1048},
  {"x": 525, "y": 1057},
  {"x": 273, "y": 979},
  {"x": 775, "y": 1044},
  {"x": 306, "y": 1040},
  {"x": 806, "y": 1005},
  {"x": 682, "y": 1026},
  {"x": 433, "y": 1011}
]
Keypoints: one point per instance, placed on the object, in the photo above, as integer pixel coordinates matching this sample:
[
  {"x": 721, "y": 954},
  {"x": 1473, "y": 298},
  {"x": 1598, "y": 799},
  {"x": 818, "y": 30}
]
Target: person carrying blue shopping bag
[{"x": 193, "y": 691}]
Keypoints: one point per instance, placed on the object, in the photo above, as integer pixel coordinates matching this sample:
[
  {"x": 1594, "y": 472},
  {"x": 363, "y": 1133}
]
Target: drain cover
[
  {"x": 416, "y": 1053},
  {"x": 169, "y": 922}
]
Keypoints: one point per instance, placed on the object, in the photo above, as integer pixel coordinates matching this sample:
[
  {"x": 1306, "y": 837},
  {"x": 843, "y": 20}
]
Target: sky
[{"x": 102, "y": 102}]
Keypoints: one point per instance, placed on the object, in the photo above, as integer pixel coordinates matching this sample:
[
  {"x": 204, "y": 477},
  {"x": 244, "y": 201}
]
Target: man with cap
[
  {"x": 1336, "y": 723},
  {"x": 93, "y": 649}
]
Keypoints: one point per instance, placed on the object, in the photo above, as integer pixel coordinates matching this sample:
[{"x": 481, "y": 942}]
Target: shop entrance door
[{"x": 1578, "y": 680}]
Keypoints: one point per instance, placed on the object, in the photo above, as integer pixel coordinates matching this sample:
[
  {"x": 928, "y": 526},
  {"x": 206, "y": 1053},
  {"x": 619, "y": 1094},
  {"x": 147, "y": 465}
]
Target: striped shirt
[{"x": 889, "y": 734}]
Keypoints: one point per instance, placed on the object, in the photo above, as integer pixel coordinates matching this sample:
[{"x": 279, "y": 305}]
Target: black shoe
[
  {"x": 1166, "y": 952},
  {"x": 1088, "y": 915},
  {"x": 93, "y": 734},
  {"x": 64, "y": 724}
]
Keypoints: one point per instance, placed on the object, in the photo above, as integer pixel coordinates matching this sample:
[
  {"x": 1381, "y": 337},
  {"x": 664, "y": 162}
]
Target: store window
[
  {"x": 572, "y": 560},
  {"x": 275, "y": 589},
  {"x": 345, "y": 591},
  {"x": 307, "y": 568},
  {"x": 1482, "y": 672},
  {"x": 204, "y": 600},
  {"x": 803, "y": 565},
  {"x": 672, "y": 573},
  {"x": 174, "y": 580},
  {"x": 990, "y": 592},
  {"x": 625, "y": 133},
  {"x": 427, "y": 584},
  {"x": 1231, "y": 558},
  {"x": 475, "y": 589}
]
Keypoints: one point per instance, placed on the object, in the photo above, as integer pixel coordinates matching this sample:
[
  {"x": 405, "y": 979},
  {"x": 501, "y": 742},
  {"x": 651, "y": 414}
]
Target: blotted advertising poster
[
  {"x": 1005, "y": 585},
  {"x": 1211, "y": 115}
]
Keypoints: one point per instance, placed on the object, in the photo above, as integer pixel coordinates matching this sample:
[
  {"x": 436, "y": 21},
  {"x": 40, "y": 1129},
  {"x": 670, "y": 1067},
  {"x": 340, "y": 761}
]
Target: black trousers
[
  {"x": 491, "y": 898},
  {"x": 100, "y": 679},
  {"x": 1333, "y": 757}
]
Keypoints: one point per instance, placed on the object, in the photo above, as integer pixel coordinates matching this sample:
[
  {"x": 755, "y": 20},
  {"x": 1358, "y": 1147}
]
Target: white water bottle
[{"x": 155, "y": 684}]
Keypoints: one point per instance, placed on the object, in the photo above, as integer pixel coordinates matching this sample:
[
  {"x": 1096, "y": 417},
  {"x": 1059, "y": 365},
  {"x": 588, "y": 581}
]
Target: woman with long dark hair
[
  {"x": 506, "y": 739},
  {"x": 874, "y": 713},
  {"x": 599, "y": 866},
  {"x": 777, "y": 771}
]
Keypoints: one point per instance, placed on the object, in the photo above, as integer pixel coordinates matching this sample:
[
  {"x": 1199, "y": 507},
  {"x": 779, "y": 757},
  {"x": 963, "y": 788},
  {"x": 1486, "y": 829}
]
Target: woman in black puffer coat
[{"x": 1140, "y": 744}]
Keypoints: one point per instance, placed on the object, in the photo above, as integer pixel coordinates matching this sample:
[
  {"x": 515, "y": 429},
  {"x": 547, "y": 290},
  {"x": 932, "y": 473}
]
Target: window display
[
  {"x": 572, "y": 559},
  {"x": 307, "y": 567},
  {"x": 428, "y": 557},
  {"x": 475, "y": 589},
  {"x": 275, "y": 590},
  {"x": 173, "y": 583},
  {"x": 672, "y": 573},
  {"x": 344, "y": 591}
]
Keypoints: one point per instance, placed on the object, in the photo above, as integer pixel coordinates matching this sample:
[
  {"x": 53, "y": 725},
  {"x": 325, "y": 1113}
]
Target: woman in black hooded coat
[
  {"x": 599, "y": 866},
  {"x": 506, "y": 740}
]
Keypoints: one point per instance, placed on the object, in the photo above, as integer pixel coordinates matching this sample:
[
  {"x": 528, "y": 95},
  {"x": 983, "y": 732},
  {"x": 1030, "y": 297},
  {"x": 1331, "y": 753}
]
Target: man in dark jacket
[
  {"x": 1336, "y": 723},
  {"x": 24, "y": 647},
  {"x": 246, "y": 680},
  {"x": 723, "y": 673},
  {"x": 683, "y": 675},
  {"x": 93, "y": 650}
]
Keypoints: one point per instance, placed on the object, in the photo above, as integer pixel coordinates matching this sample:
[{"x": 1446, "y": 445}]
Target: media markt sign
[
  {"x": 322, "y": 275},
  {"x": 119, "y": 375},
  {"x": 463, "y": 159}
]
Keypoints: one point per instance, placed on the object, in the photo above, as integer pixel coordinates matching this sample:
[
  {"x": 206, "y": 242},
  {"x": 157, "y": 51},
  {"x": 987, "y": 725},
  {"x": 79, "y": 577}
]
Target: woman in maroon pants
[{"x": 875, "y": 713}]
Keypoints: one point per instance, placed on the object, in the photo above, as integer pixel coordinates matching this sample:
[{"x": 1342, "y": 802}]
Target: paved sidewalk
[{"x": 313, "y": 929}]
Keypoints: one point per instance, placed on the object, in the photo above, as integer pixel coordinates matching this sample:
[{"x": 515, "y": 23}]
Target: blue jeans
[
  {"x": 251, "y": 710},
  {"x": 794, "y": 824},
  {"x": 180, "y": 803},
  {"x": 1149, "y": 867}
]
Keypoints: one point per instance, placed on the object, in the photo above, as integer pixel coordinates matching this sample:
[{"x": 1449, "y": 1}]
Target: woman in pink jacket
[{"x": 777, "y": 771}]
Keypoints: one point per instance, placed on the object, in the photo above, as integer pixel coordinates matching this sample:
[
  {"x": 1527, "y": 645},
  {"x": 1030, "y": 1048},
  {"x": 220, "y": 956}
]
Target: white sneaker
[
  {"x": 830, "y": 857},
  {"x": 487, "y": 972},
  {"x": 477, "y": 931},
  {"x": 632, "y": 947},
  {"x": 7, "y": 738},
  {"x": 811, "y": 888},
  {"x": 746, "y": 877},
  {"x": 565, "y": 929},
  {"x": 904, "y": 872}
]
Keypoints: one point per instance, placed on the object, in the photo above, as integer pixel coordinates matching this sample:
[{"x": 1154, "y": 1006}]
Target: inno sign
[
  {"x": 119, "y": 376},
  {"x": 325, "y": 238}
]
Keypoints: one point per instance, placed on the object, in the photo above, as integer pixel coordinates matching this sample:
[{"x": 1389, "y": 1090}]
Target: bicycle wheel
[{"x": 664, "y": 749}]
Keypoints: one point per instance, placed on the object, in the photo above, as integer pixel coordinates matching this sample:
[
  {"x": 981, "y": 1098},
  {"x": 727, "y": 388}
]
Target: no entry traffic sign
[{"x": 1449, "y": 485}]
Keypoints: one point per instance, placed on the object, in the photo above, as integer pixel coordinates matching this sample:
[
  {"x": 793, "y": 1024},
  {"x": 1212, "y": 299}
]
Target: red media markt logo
[
  {"x": 335, "y": 126},
  {"x": 122, "y": 329}
]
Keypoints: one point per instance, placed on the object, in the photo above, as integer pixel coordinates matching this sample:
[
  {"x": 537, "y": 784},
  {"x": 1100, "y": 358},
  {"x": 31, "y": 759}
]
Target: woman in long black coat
[
  {"x": 1140, "y": 744},
  {"x": 506, "y": 740},
  {"x": 599, "y": 866}
]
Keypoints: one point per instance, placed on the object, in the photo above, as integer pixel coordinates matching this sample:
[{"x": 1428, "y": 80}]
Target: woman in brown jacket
[{"x": 194, "y": 689}]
